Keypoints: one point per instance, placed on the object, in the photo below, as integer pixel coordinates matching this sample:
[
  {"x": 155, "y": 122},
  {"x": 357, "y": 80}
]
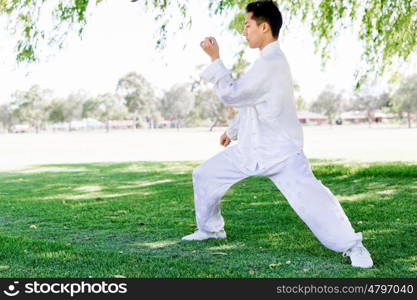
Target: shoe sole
[
  {"x": 364, "y": 267},
  {"x": 203, "y": 239},
  {"x": 212, "y": 237}
]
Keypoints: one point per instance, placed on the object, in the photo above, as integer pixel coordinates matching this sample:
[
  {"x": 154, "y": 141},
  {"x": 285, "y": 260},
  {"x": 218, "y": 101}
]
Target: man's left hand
[{"x": 225, "y": 140}]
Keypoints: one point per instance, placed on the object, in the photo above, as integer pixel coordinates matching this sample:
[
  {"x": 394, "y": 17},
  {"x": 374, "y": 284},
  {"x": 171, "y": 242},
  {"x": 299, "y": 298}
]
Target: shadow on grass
[{"x": 142, "y": 209}]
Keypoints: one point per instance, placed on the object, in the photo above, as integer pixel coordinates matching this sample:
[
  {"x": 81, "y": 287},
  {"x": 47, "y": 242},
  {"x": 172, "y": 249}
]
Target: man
[{"x": 270, "y": 142}]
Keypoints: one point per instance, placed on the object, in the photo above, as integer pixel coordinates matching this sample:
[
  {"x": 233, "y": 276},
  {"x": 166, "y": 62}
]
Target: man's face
[{"x": 252, "y": 32}]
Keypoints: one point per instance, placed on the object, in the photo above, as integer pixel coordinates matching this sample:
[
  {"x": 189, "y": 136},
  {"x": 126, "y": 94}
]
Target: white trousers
[{"x": 310, "y": 199}]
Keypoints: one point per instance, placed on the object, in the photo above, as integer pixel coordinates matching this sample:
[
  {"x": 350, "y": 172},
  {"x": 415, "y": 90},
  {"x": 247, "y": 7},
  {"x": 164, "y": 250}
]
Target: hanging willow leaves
[{"x": 386, "y": 27}]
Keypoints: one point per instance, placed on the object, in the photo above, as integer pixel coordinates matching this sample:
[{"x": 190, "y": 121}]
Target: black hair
[{"x": 266, "y": 11}]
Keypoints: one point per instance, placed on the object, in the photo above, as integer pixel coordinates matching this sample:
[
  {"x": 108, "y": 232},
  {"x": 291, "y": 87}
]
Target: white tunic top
[{"x": 266, "y": 126}]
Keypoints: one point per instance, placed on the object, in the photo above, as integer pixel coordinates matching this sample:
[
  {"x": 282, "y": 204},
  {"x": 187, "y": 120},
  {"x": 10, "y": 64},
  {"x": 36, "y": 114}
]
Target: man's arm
[
  {"x": 248, "y": 90},
  {"x": 233, "y": 129},
  {"x": 231, "y": 133}
]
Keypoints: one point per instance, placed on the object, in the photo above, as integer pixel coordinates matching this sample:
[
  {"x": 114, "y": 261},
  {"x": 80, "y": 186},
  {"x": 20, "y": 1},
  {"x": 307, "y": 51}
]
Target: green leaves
[{"x": 387, "y": 27}]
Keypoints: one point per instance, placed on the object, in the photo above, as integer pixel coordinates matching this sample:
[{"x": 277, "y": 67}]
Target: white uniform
[{"x": 270, "y": 143}]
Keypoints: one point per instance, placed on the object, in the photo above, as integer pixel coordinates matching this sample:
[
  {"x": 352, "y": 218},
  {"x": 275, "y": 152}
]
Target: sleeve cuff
[
  {"x": 232, "y": 133},
  {"x": 214, "y": 71}
]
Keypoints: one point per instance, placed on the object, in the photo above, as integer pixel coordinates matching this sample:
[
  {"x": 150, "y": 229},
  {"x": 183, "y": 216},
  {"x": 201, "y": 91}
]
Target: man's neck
[{"x": 266, "y": 42}]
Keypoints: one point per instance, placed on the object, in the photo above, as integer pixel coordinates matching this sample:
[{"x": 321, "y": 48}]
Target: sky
[{"x": 120, "y": 37}]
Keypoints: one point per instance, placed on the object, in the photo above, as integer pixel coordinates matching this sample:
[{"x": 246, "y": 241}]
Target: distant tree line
[
  {"x": 331, "y": 103},
  {"x": 188, "y": 104},
  {"x": 185, "y": 105}
]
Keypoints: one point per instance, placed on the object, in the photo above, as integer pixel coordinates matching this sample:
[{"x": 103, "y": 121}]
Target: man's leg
[
  {"x": 211, "y": 180},
  {"x": 316, "y": 205}
]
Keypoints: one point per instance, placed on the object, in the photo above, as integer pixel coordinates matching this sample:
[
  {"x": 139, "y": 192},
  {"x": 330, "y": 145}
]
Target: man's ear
[{"x": 264, "y": 27}]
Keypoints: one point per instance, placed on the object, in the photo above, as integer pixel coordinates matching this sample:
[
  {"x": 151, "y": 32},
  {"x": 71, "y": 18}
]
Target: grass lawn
[{"x": 105, "y": 220}]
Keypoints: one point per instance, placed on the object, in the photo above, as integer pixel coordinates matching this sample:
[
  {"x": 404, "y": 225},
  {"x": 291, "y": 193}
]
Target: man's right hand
[
  {"x": 225, "y": 140},
  {"x": 211, "y": 47}
]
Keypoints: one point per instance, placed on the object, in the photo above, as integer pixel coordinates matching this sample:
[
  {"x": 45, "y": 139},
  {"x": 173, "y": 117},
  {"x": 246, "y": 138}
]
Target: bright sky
[{"x": 120, "y": 37}]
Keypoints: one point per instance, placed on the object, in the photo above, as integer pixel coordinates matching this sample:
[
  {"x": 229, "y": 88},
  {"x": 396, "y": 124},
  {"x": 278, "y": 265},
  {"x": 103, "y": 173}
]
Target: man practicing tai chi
[{"x": 270, "y": 142}]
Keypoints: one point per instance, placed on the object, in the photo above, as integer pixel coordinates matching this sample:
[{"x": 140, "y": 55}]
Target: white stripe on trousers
[{"x": 311, "y": 200}]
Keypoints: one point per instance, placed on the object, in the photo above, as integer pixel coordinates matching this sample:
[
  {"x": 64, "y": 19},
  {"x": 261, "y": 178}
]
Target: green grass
[{"x": 103, "y": 220}]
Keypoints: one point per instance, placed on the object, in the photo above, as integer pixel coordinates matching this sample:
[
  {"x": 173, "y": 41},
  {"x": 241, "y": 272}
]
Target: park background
[{"x": 99, "y": 138}]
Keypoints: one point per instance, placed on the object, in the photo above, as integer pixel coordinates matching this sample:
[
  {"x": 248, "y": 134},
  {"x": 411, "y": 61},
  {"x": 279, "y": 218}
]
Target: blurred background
[{"x": 119, "y": 80}]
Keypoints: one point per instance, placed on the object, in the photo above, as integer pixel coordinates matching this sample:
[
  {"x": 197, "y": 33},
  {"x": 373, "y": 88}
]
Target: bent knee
[{"x": 198, "y": 172}]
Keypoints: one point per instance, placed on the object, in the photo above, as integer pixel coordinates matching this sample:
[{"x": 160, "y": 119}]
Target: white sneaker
[
  {"x": 202, "y": 235},
  {"x": 359, "y": 256}
]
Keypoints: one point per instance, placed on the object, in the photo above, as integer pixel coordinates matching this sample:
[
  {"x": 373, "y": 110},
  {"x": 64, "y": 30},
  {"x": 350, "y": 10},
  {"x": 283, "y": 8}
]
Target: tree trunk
[
  {"x": 136, "y": 120},
  {"x": 107, "y": 125},
  {"x": 368, "y": 114},
  {"x": 409, "y": 119},
  {"x": 214, "y": 124}
]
